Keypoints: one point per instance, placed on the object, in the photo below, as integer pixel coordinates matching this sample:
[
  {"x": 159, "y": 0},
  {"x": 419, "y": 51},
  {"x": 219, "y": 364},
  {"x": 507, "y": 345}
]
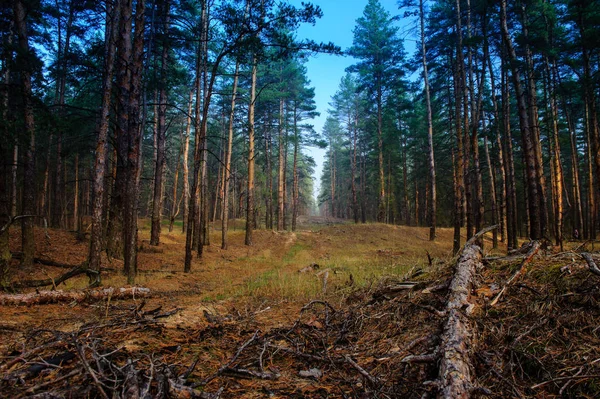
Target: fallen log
[
  {"x": 45, "y": 262},
  {"x": 534, "y": 247},
  {"x": 76, "y": 271},
  {"x": 45, "y": 297},
  {"x": 456, "y": 369},
  {"x": 593, "y": 268}
]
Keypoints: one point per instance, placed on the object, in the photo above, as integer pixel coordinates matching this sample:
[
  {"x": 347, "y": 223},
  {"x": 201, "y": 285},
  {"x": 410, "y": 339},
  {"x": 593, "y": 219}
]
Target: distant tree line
[{"x": 499, "y": 127}]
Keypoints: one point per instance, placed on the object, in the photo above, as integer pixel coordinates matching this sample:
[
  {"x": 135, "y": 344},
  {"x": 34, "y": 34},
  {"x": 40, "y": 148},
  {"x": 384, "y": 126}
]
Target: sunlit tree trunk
[
  {"x": 558, "y": 180},
  {"x": 227, "y": 176},
  {"x": 186, "y": 150},
  {"x": 527, "y": 136},
  {"x": 535, "y": 129},
  {"x": 493, "y": 197},
  {"x": 174, "y": 203},
  {"x": 576, "y": 185}
]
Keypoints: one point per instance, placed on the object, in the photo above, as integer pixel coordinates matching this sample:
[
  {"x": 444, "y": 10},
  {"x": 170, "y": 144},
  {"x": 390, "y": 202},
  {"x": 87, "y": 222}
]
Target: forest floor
[{"x": 332, "y": 310}]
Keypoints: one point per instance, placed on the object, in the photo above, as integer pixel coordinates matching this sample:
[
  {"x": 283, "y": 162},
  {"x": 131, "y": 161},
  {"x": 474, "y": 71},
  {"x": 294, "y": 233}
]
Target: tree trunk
[
  {"x": 130, "y": 128},
  {"x": 501, "y": 159},
  {"x": 381, "y": 214},
  {"x": 492, "y": 192},
  {"x": 280, "y": 170},
  {"x": 591, "y": 219},
  {"x": 227, "y": 170},
  {"x": 269, "y": 172},
  {"x": 94, "y": 258},
  {"x": 555, "y": 157},
  {"x": 403, "y": 139},
  {"x": 186, "y": 178},
  {"x": 535, "y": 128},
  {"x": 295, "y": 184},
  {"x": 576, "y": 186},
  {"x": 174, "y": 203},
  {"x": 463, "y": 98},
  {"x": 28, "y": 205},
  {"x": 13, "y": 199},
  {"x": 332, "y": 177},
  {"x": 353, "y": 166},
  {"x": 157, "y": 203},
  {"x": 76, "y": 195},
  {"x": 527, "y": 136},
  {"x": 250, "y": 187},
  {"x": 432, "y": 189}
]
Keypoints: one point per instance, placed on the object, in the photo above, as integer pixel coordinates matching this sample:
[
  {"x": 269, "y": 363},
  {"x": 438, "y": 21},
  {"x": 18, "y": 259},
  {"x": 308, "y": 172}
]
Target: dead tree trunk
[
  {"x": 44, "y": 297},
  {"x": 457, "y": 346}
]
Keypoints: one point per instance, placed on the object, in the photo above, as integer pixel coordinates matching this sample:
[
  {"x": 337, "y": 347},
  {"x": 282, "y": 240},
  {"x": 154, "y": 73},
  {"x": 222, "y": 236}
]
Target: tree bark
[
  {"x": 432, "y": 210},
  {"x": 94, "y": 256},
  {"x": 281, "y": 170},
  {"x": 501, "y": 158},
  {"x": 555, "y": 158},
  {"x": 456, "y": 369},
  {"x": 157, "y": 203},
  {"x": 250, "y": 187},
  {"x": 174, "y": 203},
  {"x": 134, "y": 140},
  {"x": 381, "y": 214},
  {"x": 76, "y": 195},
  {"x": 493, "y": 196},
  {"x": 527, "y": 136},
  {"x": 186, "y": 178},
  {"x": 227, "y": 171},
  {"x": 45, "y": 297},
  {"x": 28, "y": 204}
]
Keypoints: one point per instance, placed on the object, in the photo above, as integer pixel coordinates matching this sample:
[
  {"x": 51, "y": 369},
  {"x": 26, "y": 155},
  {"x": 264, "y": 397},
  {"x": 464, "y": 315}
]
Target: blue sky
[{"x": 326, "y": 71}]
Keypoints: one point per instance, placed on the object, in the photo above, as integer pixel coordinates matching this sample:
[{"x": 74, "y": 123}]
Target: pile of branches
[
  {"x": 94, "y": 361},
  {"x": 543, "y": 338}
]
